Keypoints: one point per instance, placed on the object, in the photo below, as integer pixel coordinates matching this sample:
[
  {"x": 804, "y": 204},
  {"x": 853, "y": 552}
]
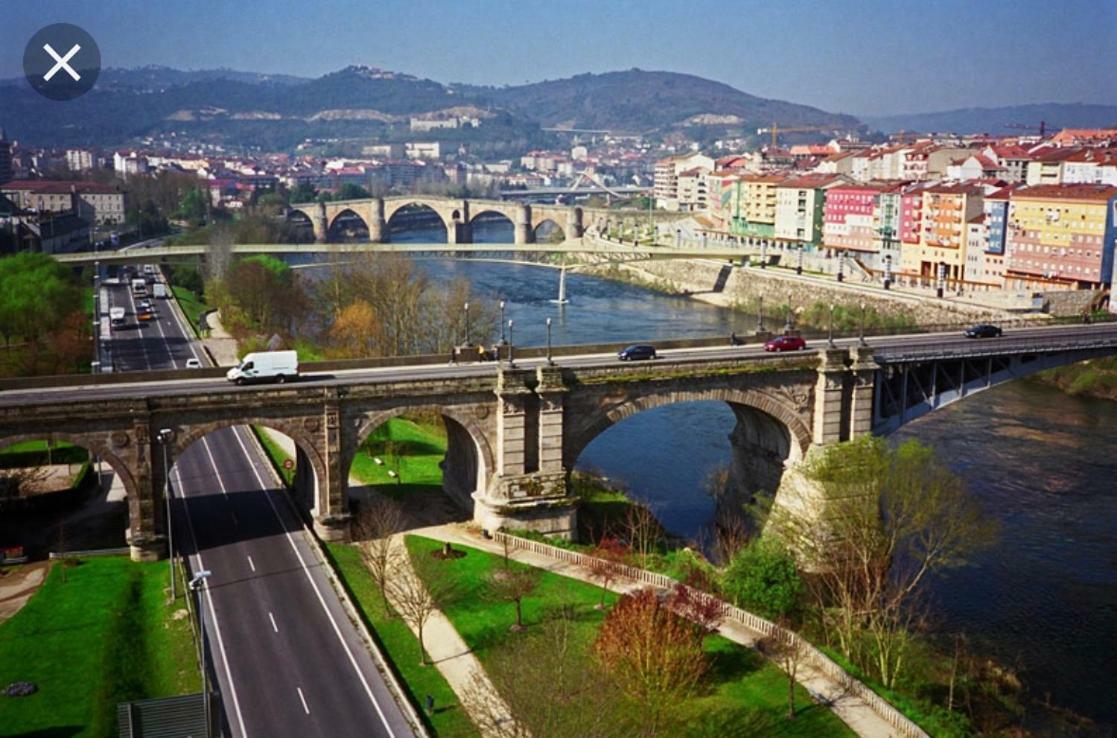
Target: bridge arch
[
  {"x": 347, "y": 220},
  {"x": 549, "y": 230},
  {"x": 396, "y": 212},
  {"x": 308, "y": 487},
  {"x": 469, "y": 459},
  {"x": 492, "y": 225}
]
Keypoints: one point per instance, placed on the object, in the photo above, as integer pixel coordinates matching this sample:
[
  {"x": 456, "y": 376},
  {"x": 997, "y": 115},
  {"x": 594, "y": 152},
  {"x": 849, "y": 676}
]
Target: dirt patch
[{"x": 17, "y": 584}]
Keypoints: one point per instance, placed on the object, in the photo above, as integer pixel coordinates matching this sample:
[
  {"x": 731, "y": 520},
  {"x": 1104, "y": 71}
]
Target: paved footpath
[
  {"x": 852, "y": 710},
  {"x": 457, "y": 663}
]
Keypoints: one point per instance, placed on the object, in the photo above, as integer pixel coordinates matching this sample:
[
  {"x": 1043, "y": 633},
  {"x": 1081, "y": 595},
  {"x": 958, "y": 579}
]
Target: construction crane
[
  {"x": 775, "y": 130},
  {"x": 1041, "y": 128}
]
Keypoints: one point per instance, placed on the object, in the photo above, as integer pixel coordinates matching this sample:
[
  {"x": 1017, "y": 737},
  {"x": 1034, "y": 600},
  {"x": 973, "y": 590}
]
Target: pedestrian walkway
[
  {"x": 457, "y": 664},
  {"x": 853, "y": 711},
  {"x": 221, "y": 346}
]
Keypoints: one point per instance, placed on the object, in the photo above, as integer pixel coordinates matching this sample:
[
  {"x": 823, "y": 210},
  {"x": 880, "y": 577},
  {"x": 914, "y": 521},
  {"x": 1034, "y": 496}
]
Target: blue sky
[{"x": 856, "y": 56}]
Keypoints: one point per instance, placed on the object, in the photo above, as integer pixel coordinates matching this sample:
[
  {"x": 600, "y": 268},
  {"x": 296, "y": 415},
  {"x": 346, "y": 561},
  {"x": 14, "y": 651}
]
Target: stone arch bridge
[
  {"x": 514, "y": 434},
  {"x": 456, "y": 214}
]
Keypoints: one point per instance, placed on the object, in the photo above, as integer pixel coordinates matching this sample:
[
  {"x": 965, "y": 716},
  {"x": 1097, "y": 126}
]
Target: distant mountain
[
  {"x": 995, "y": 121},
  {"x": 362, "y": 103},
  {"x": 638, "y": 100}
]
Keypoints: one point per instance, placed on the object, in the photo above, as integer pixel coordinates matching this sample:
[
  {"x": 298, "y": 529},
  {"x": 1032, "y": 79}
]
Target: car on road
[
  {"x": 785, "y": 343},
  {"x": 143, "y": 305},
  {"x": 637, "y": 352},
  {"x": 983, "y": 330},
  {"x": 193, "y": 364}
]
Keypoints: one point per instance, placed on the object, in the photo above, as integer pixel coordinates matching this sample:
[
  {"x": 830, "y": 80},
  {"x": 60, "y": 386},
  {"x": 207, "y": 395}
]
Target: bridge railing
[{"x": 811, "y": 654}]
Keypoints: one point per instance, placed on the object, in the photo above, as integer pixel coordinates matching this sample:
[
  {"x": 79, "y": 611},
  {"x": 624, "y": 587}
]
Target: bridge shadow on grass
[{"x": 59, "y": 731}]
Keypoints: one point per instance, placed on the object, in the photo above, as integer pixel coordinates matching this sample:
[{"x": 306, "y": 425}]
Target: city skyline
[{"x": 907, "y": 55}]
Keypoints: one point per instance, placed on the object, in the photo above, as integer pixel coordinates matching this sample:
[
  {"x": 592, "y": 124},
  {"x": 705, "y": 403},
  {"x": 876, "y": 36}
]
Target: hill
[
  {"x": 638, "y": 100},
  {"x": 362, "y": 103},
  {"x": 995, "y": 120}
]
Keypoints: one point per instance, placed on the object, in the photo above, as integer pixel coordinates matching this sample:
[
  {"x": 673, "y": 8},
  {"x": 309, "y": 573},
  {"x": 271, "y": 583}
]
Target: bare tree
[
  {"x": 513, "y": 584},
  {"x": 419, "y": 587},
  {"x": 219, "y": 253},
  {"x": 642, "y": 530},
  {"x": 376, "y": 524},
  {"x": 787, "y": 650},
  {"x": 607, "y": 564}
]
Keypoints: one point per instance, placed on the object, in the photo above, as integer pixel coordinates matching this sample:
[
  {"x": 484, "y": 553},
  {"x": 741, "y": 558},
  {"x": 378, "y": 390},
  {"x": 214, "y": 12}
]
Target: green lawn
[
  {"x": 412, "y": 448},
  {"x": 193, "y": 306},
  {"x": 744, "y": 692},
  {"x": 276, "y": 454},
  {"x": 401, "y": 645},
  {"x": 101, "y": 637}
]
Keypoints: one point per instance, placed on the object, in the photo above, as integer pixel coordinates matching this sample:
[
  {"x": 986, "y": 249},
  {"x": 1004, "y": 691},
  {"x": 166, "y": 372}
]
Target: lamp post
[
  {"x": 763, "y": 254},
  {"x": 502, "y": 341},
  {"x": 787, "y": 323},
  {"x": 841, "y": 264},
  {"x": 760, "y": 313},
  {"x": 830, "y": 328},
  {"x": 799, "y": 265},
  {"x": 511, "y": 359},
  {"x": 941, "y": 286},
  {"x": 861, "y": 332},
  {"x": 165, "y": 437},
  {"x": 887, "y": 271},
  {"x": 550, "y": 361},
  {"x": 467, "y": 341},
  {"x": 195, "y": 586}
]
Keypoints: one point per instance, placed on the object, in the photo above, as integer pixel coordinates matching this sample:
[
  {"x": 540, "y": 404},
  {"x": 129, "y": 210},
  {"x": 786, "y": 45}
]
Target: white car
[{"x": 193, "y": 364}]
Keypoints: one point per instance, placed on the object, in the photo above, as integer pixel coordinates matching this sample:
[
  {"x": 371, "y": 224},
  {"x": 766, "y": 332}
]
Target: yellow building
[
  {"x": 946, "y": 211},
  {"x": 756, "y": 205},
  {"x": 1061, "y": 235}
]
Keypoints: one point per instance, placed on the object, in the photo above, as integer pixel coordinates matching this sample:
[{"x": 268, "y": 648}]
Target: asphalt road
[
  {"x": 287, "y": 659},
  {"x": 884, "y": 348}
]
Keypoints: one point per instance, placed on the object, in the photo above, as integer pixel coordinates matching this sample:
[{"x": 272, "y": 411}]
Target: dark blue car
[
  {"x": 637, "y": 352},
  {"x": 982, "y": 330}
]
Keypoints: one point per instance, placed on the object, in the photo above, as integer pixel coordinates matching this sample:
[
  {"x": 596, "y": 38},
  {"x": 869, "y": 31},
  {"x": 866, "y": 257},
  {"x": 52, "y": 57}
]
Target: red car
[{"x": 785, "y": 343}]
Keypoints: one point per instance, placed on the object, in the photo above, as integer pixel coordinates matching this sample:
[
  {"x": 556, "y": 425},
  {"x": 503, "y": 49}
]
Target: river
[{"x": 1043, "y": 598}]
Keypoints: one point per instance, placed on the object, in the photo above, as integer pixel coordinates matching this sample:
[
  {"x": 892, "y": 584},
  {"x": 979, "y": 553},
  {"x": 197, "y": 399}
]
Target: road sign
[{"x": 288, "y": 464}]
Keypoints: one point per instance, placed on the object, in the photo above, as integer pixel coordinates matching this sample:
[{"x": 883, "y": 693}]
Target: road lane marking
[
  {"x": 216, "y": 471},
  {"x": 314, "y": 585},
  {"x": 233, "y": 515},
  {"x": 209, "y": 600},
  {"x": 251, "y": 565},
  {"x": 273, "y": 625},
  {"x": 187, "y": 333},
  {"x": 305, "y": 708}
]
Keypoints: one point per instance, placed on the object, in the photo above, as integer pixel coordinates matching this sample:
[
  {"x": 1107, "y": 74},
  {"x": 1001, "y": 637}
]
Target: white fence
[{"x": 811, "y": 655}]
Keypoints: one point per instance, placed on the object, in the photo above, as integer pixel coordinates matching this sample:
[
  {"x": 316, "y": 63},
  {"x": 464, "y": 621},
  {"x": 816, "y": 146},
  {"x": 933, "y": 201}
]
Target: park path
[
  {"x": 853, "y": 711},
  {"x": 457, "y": 664}
]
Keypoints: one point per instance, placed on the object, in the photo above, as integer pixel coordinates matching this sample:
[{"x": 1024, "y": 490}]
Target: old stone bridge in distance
[
  {"x": 515, "y": 432},
  {"x": 456, "y": 214}
]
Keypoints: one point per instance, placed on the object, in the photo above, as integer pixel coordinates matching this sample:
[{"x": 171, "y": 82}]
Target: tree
[
  {"x": 377, "y": 522},
  {"x": 37, "y": 295},
  {"x": 357, "y": 332},
  {"x": 762, "y": 577},
  {"x": 642, "y": 530},
  {"x": 512, "y": 583},
  {"x": 419, "y": 587},
  {"x": 894, "y": 516},
  {"x": 653, "y": 654},
  {"x": 607, "y": 564},
  {"x": 787, "y": 650},
  {"x": 541, "y": 679},
  {"x": 193, "y": 206}
]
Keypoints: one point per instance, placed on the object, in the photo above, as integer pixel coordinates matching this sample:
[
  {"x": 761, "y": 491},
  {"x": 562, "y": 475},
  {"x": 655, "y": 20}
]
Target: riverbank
[{"x": 1095, "y": 379}]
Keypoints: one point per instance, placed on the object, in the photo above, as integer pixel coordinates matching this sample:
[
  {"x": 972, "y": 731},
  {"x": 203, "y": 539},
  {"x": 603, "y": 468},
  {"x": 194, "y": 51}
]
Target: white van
[{"x": 265, "y": 366}]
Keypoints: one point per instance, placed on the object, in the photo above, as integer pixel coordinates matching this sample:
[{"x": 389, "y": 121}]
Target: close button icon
[{"x": 61, "y": 61}]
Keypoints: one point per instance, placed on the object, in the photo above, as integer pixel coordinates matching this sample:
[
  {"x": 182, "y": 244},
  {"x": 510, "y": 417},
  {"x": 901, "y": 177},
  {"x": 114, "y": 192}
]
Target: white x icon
[{"x": 62, "y": 62}]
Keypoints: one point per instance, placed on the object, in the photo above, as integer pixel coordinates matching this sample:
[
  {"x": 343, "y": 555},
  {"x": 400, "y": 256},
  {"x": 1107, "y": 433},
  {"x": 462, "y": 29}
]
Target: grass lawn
[
  {"x": 401, "y": 646},
  {"x": 101, "y": 637},
  {"x": 745, "y": 694},
  {"x": 193, "y": 306},
  {"x": 276, "y": 454},
  {"x": 413, "y": 449}
]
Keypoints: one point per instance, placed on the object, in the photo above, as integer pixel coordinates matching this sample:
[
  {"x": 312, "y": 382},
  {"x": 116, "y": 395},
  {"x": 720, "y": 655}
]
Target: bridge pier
[
  {"x": 377, "y": 230},
  {"x": 320, "y": 223},
  {"x": 331, "y": 499},
  {"x": 524, "y": 233},
  {"x": 529, "y": 488},
  {"x": 573, "y": 227}
]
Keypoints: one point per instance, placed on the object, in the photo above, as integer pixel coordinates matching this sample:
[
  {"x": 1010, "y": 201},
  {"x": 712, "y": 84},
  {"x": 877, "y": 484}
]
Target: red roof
[{"x": 1094, "y": 192}]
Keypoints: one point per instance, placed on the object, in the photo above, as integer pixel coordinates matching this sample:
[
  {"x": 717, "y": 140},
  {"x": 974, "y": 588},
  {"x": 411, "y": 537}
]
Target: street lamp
[
  {"x": 763, "y": 254},
  {"x": 502, "y": 340},
  {"x": 467, "y": 341},
  {"x": 760, "y": 313},
  {"x": 841, "y": 264},
  {"x": 861, "y": 336},
  {"x": 787, "y": 325},
  {"x": 550, "y": 361},
  {"x": 511, "y": 360},
  {"x": 887, "y": 271},
  {"x": 166, "y": 435},
  {"x": 799, "y": 266},
  {"x": 830, "y": 329},
  {"x": 195, "y": 586}
]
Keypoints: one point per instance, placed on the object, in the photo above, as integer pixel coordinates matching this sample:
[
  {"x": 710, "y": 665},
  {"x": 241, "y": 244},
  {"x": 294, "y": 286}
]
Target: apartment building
[
  {"x": 96, "y": 203},
  {"x": 800, "y": 206},
  {"x": 667, "y": 171}
]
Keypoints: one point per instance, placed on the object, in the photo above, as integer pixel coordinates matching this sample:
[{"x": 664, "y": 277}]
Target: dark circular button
[{"x": 62, "y": 61}]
